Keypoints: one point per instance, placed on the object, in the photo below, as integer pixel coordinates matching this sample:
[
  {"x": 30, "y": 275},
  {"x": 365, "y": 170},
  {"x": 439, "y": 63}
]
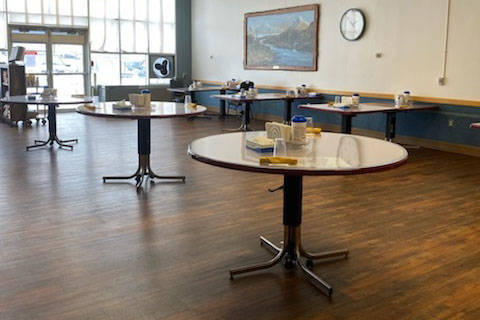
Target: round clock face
[{"x": 352, "y": 24}]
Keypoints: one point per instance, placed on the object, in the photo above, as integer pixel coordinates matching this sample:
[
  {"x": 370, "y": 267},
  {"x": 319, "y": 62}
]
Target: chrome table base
[
  {"x": 292, "y": 253},
  {"x": 51, "y": 141},
  {"x": 52, "y": 131},
  {"x": 143, "y": 170}
]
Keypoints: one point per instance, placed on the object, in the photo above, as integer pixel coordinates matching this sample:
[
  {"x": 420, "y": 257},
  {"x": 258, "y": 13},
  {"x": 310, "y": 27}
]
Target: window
[
  {"x": 68, "y": 12},
  {"x": 3, "y": 56},
  {"x": 106, "y": 68},
  {"x": 54, "y": 56},
  {"x": 67, "y": 58},
  {"x": 122, "y": 32},
  {"x": 134, "y": 69},
  {"x": 127, "y": 31},
  {"x": 35, "y": 57}
]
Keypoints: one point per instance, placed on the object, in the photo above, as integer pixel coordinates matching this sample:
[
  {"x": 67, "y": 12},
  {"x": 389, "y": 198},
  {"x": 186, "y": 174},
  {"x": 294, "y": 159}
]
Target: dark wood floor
[{"x": 75, "y": 248}]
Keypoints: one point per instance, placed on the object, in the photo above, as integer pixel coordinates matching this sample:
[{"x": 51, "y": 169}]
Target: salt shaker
[
  {"x": 299, "y": 129},
  {"x": 355, "y": 99},
  {"x": 147, "y": 96},
  {"x": 406, "y": 97}
]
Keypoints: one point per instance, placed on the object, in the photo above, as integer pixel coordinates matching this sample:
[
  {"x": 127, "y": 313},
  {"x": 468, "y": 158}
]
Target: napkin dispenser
[
  {"x": 278, "y": 130},
  {"x": 140, "y": 100},
  {"x": 49, "y": 92},
  {"x": 347, "y": 101}
]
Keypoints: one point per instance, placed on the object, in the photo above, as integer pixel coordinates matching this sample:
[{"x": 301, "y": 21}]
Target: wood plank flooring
[{"x": 75, "y": 248}]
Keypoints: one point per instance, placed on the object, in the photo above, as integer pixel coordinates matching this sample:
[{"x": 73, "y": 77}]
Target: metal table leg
[
  {"x": 292, "y": 252},
  {"x": 52, "y": 130},
  {"x": 287, "y": 116},
  {"x": 222, "y": 105},
  {"x": 390, "y": 126},
  {"x": 144, "y": 169},
  {"x": 347, "y": 123},
  {"x": 245, "y": 119}
]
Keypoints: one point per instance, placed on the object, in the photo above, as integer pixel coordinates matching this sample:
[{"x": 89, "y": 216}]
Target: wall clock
[{"x": 352, "y": 24}]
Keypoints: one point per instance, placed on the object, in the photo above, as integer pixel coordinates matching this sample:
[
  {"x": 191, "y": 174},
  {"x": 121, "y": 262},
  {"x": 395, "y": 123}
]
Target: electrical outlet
[
  {"x": 441, "y": 81},
  {"x": 451, "y": 123}
]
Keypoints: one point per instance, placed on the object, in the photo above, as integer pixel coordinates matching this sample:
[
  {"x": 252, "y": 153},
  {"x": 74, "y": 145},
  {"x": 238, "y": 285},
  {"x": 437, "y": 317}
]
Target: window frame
[
  {"x": 134, "y": 20},
  {"x": 84, "y": 19}
]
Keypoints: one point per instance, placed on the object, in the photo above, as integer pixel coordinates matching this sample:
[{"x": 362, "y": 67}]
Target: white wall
[{"x": 409, "y": 34}]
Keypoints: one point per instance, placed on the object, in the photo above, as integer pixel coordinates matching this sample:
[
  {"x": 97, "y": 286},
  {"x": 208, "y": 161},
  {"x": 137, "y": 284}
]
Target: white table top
[
  {"x": 475, "y": 125},
  {"x": 201, "y": 89},
  {"x": 46, "y": 100},
  {"x": 372, "y": 107},
  {"x": 326, "y": 154},
  {"x": 263, "y": 97},
  {"x": 157, "y": 110}
]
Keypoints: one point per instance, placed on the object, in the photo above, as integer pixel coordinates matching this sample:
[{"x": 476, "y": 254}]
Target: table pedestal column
[
  {"x": 52, "y": 130},
  {"x": 223, "y": 105},
  {"x": 245, "y": 119},
  {"x": 292, "y": 251},
  {"x": 144, "y": 169},
  {"x": 347, "y": 124},
  {"x": 390, "y": 126},
  {"x": 287, "y": 116}
]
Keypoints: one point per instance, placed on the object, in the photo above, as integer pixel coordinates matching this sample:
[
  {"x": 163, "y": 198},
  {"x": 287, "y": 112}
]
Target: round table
[
  {"x": 158, "y": 110},
  {"x": 326, "y": 154},
  {"x": 52, "y": 103}
]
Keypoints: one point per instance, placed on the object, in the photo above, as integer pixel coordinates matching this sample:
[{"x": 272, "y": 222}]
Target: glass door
[
  {"x": 54, "y": 57},
  {"x": 35, "y": 65},
  {"x": 68, "y": 69}
]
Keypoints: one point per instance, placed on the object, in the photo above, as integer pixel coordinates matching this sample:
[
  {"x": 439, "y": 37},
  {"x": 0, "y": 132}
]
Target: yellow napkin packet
[
  {"x": 278, "y": 160},
  {"x": 192, "y": 105},
  {"x": 90, "y": 106},
  {"x": 314, "y": 130}
]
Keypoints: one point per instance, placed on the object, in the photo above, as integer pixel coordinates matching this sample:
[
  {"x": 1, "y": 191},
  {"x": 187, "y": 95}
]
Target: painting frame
[{"x": 304, "y": 8}]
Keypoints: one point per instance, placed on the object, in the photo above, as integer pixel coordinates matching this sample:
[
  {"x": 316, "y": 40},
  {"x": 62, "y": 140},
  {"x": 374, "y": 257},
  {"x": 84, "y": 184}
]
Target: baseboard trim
[{"x": 407, "y": 140}]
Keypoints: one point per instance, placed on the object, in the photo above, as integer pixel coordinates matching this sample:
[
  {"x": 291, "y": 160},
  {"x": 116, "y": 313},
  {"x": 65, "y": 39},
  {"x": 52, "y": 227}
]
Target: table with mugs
[
  {"x": 325, "y": 154},
  {"x": 144, "y": 115}
]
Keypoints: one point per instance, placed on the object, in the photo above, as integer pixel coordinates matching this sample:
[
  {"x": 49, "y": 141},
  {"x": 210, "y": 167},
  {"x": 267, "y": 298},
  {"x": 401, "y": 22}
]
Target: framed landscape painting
[{"x": 282, "y": 39}]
